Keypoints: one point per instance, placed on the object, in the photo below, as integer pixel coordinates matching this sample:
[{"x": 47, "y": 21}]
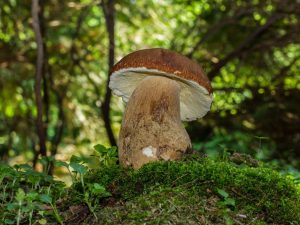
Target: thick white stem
[{"x": 151, "y": 128}]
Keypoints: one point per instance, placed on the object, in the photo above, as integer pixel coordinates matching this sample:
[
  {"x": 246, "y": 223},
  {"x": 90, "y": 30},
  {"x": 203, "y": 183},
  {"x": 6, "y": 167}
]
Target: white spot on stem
[{"x": 149, "y": 151}]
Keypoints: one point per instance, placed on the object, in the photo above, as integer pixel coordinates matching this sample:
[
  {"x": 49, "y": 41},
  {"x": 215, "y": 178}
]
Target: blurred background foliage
[{"x": 250, "y": 50}]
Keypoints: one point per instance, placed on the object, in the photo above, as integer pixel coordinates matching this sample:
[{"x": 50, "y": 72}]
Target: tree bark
[
  {"x": 109, "y": 13},
  {"x": 38, "y": 77}
]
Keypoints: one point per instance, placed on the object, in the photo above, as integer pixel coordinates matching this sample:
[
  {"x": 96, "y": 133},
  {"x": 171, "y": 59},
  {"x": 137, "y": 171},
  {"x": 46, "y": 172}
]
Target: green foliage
[
  {"x": 259, "y": 147},
  {"x": 42, "y": 189},
  {"x": 24, "y": 193},
  {"x": 106, "y": 156},
  {"x": 89, "y": 193}
]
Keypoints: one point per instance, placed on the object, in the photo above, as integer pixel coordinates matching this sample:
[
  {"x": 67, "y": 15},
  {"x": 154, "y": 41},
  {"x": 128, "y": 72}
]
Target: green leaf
[
  {"x": 20, "y": 195},
  {"x": 26, "y": 209},
  {"x": 75, "y": 159},
  {"x": 42, "y": 221},
  {"x": 112, "y": 152},
  {"x": 12, "y": 206},
  {"x": 86, "y": 195},
  {"x": 46, "y": 159},
  {"x": 46, "y": 198},
  {"x": 99, "y": 187},
  {"x": 32, "y": 196},
  {"x": 78, "y": 168},
  {"x": 25, "y": 167},
  {"x": 229, "y": 201},
  {"x": 101, "y": 149},
  {"x": 113, "y": 148},
  {"x": 98, "y": 190},
  {"x": 223, "y": 193},
  {"x": 228, "y": 221},
  {"x": 61, "y": 163},
  {"x": 8, "y": 221}
]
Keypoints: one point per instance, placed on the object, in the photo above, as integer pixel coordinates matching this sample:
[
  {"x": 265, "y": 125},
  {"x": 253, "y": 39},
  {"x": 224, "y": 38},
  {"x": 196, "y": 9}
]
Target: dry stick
[
  {"x": 38, "y": 77},
  {"x": 109, "y": 13}
]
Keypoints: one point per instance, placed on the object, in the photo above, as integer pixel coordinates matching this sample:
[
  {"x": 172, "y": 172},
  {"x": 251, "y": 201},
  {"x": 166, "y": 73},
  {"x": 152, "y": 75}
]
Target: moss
[
  {"x": 195, "y": 190},
  {"x": 155, "y": 208},
  {"x": 186, "y": 192}
]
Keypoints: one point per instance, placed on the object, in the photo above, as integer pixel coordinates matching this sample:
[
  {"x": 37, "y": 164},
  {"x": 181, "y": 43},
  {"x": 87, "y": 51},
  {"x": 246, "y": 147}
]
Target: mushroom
[{"x": 161, "y": 88}]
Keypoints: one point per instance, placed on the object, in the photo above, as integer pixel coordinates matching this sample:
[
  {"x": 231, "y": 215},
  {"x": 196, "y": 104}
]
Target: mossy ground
[{"x": 197, "y": 191}]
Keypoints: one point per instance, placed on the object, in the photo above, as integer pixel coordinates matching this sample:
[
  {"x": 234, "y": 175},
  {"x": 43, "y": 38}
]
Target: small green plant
[
  {"x": 22, "y": 191},
  {"x": 106, "y": 156},
  {"x": 89, "y": 192},
  {"x": 46, "y": 198},
  {"x": 227, "y": 204},
  {"x": 226, "y": 201},
  {"x": 18, "y": 206}
]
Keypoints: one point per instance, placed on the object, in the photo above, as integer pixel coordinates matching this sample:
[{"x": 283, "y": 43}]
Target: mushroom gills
[{"x": 195, "y": 101}]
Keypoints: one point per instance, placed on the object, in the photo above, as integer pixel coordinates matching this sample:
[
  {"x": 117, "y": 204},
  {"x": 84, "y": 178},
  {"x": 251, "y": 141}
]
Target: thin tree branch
[
  {"x": 38, "y": 77},
  {"x": 109, "y": 13},
  {"x": 46, "y": 100}
]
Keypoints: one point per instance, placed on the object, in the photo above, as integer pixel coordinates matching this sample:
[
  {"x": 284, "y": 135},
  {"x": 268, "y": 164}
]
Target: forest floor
[{"x": 195, "y": 190}]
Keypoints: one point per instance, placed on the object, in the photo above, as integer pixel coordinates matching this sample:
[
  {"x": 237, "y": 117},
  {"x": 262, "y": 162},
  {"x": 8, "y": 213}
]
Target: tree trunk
[
  {"x": 109, "y": 13},
  {"x": 38, "y": 78}
]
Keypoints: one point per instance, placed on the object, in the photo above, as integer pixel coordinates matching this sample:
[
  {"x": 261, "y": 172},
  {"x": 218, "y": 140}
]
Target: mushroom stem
[{"x": 151, "y": 128}]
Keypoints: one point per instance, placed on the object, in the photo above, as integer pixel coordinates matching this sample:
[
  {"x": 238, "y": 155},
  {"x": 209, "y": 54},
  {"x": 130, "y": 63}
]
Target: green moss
[
  {"x": 192, "y": 191},
  {"x": 190, "y": 188}
]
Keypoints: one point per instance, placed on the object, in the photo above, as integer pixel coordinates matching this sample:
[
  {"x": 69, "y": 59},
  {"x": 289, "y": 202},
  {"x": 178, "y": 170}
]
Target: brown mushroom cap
[
  {"x": 196, "y": 91},
  {"x": 166, "y": 61}
]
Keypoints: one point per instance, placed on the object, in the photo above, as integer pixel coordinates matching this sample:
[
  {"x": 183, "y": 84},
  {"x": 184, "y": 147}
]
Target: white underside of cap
[{"x": 195, "y": 101}]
